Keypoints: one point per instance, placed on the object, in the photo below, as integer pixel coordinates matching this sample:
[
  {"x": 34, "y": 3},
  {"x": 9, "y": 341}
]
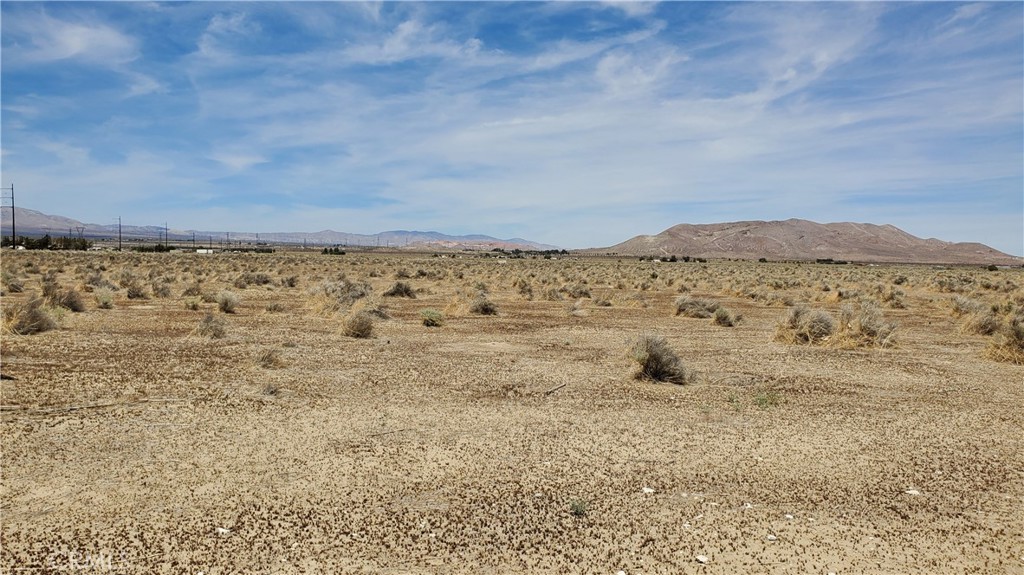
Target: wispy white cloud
[{"x": 477, "y": 118}]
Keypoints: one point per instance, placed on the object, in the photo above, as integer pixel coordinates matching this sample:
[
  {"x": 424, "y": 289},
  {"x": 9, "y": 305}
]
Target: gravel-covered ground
[{"x": 511, "y": 443}]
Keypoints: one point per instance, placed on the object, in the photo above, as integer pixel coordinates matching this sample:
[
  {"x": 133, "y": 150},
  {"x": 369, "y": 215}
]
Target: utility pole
[
  {"x": 118, "y": 233},
  {"x": 14, "y": 224},
  {"x": 193, "y": 240}
]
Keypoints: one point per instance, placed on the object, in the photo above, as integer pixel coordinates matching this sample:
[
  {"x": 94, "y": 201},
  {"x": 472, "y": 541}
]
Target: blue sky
[{"x": 570, "y": 123}]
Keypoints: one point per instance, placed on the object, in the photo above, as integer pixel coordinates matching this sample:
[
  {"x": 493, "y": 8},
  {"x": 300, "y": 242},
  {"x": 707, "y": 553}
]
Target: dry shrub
[
  {"x": 332, "y": 296},
  {"x": 726, "y": 318},
  {"x": 805, "y": 326},
  {"x": 688, "y": 306},
  {"x": 270, "y": 359},
  {"x": 212, "y": 327},
  {"x": 1008, "y": 344},
  {"x": 136, "y": 291},
  {"x": 864, "y": 327},
  {"x": 193, "y": 290},
  {"x": 104, "y": 298},
  {"x": 658, "y": 362},
  {"x": 962, "y": 306},
  {"x": 27, "y": 318},
  {"x": 981, "y": 322},
  {"x": 576, "y": 291},
  {"x": 483, "y": 306},
  {"x": 12, "y": 284},
  {"x": 68, "y": 299},
  {"x": 400, "y": 289},
  {"x": 358, "y": 325},
  {"x": 227, "y": 301}
]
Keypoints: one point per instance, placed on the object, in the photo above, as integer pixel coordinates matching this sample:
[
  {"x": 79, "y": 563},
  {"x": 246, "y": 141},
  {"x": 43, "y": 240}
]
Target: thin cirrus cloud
[{"x": 575, "y": 124}]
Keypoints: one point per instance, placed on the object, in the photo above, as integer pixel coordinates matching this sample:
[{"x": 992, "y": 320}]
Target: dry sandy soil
[{"x": 512, "y": 443}]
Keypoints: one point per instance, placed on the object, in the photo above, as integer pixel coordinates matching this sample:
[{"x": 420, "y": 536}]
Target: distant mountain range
[
  {"x": 35, "y": 223},
  {"x": 791, "y": 239},
  {"x": 804, "y": 240}
]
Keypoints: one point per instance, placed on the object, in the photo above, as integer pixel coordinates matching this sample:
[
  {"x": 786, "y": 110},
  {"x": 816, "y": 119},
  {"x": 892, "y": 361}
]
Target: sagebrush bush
[
  {"x": 805, "y": 326},
  {"x": 483, "y": 306},
  {"x": 865, "y": 327},
  {"x": 212, "y": 327},
  {"x": 658, "y": 362},
  {"x": 104, "y": 298},
  {"x": 688, "y": 306},
  {"x": 227, "y": 301},
  {"x": 726, "y": 318},
  {"x": 1008, "y": 344},
  {"x": 432, "y": 318},
  {"x": 981, "y": 322},
  {"x": 12, "y": 284},
  {"x": 28, "y": 317},
  {"x": 358, "y": 325},
  {"x": 400, "y": 289},
  {"x": 69, "y": 299}
]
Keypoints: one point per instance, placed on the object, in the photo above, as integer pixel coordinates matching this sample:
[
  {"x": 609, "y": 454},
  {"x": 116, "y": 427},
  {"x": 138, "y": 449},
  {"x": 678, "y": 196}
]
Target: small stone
[
  {"x": 788, "y": 516},
  {"x": 648, "y": 490},
  {"x": 620, "y": 573},
  {"x": 772, "y": 537},
  {"x": 748, "y": 506},
  {"x": 223, "y": 532},
  {"x": 912, "y": 492},
  {"x": 702, "y": 559}
]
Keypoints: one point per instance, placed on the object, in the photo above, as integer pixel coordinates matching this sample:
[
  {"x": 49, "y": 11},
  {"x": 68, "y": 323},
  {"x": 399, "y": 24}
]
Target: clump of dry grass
[
  {"x": 28, "y": 317},
  {"x": 982, "y": 322},
  {"x": 358, "y": 325},
  {"x": 400, "y": 289},
  {"x": 270, "y": 359},
  {"x": 212, "y": 327},
  {"x": 726, "y": 318},
  {"x": 658, "y": 362},
  {"x": 805, "y": 326},
  {"x": 865, "y": 327},
  {"x": 1008, "y": 344},
  {"x": 689, "y": 306}
]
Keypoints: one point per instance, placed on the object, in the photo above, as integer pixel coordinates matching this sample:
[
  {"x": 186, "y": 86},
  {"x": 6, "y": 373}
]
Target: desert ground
[{"x": 279, "y": 413}]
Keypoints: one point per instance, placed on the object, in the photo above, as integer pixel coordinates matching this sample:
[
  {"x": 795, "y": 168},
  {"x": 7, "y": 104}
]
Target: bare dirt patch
[{"x": 517, "y": 442}]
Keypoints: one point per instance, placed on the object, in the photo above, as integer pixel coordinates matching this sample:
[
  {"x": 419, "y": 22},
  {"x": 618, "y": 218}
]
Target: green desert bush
[
  {"x": 688, "y": 306},
  {"x": 27, "y": 317},
  {"x": 432, "y": 318},
  {"x": 657, "y": 361},
  {"x": 104, "y": 297}
]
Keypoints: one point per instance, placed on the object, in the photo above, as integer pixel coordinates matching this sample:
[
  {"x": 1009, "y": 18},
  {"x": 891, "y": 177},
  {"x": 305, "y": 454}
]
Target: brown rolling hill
[{"x": 796, "y": 239}]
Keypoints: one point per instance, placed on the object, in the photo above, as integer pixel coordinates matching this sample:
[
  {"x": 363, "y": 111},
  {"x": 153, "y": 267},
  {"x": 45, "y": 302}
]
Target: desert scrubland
[{"x": 403, "y": 413}]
